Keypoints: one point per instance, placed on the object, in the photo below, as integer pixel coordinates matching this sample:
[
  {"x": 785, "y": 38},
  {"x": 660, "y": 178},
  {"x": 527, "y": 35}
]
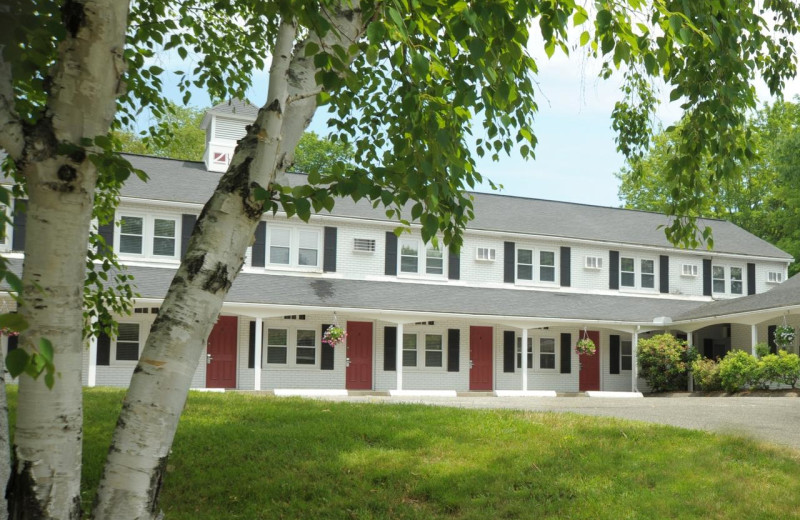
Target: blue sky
[{"x": 576, "y": 156}]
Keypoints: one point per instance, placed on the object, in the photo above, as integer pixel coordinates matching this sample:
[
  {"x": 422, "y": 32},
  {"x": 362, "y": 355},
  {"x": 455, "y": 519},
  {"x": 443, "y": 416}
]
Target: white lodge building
[{"x": 533, "y": 277}]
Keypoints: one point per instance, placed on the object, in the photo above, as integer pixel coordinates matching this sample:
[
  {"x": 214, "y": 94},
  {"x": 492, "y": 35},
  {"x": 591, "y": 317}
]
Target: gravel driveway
[{"x": 772, "y": 419}]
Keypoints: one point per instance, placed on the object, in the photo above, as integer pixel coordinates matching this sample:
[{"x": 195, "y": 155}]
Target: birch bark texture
[
  {"x": 81, "y": 104},
  {"x": 140, "y": 447}
]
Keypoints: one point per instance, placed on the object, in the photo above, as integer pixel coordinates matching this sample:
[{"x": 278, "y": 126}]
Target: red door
[
  {"x": 359, "y": 355},
  {"x": 590, "y": 366},
  {"x": 480, "y": 355},
  {"x": 221, "y": 350}
]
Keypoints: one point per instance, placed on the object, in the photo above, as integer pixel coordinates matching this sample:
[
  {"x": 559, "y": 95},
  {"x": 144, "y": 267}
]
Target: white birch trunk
[
  {"x": 138, "y": 454},
  {"x": 46, "y": 475}
]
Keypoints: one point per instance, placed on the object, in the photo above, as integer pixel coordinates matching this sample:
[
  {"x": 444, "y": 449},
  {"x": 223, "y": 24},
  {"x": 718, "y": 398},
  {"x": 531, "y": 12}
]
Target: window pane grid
[
  {"x": 525, "y": 264},
  {"x": 433, "y": 350},
  {"x": 409, "y": 350},
  {"x": 547, "y": 353},
  {"x": 547, "y": 266}
]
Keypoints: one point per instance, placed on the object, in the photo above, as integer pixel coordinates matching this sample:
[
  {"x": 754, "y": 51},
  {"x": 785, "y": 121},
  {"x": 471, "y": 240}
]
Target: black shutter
[
  {"x": 391, "y": 254},
  {"x": 663, "y": 277},
  {"x": 566, "y": 267},
  {"x": 258, "y": 254},
  {"x": 508, "y": 350},
  {"x": 13, "y": 343},
  {"x": 326, "y": 355},
  {"x": 613, "y": 354},
  {"x": 708, "y": 348},
  {"x": 773, "y": 347},
  {"x": 613, "y": 270},
  {"x": 329, "y": 250},
  {"x": 107, "y": 232},
  {"x": 19, "y": 219},
  {"x": 508, "y": 262},
  {"x": 751, "y": 278},
  {"x": 566, "y": 353},
  {"x": 390, "y": 347},
  {"x": 103, "y": 349},
  {"x": 706, "y": 277},
  {"x": 454, "y": 267},
  {"x": 453, "y": 349},
  {"x": 187, "y": 226},
  {"x": 251, "y": 346}
]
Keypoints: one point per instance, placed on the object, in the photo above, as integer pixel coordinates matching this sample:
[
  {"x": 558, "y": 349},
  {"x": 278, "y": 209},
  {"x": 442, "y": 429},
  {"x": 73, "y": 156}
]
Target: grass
[{"x": 244, "y": 457}]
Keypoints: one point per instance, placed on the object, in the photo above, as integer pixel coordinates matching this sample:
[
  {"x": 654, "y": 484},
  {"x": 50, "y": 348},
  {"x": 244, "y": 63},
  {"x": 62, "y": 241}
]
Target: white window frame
[
  {"x": 638, "y": 274},
  {"x": 314, "y": 347},
  {"x": 267, "y": 345},
  {"x": 723, "y": 280},
  {"x": 593, "y": 262},
  {"x": 421, "y": 351},
  {"x": 536, "y": 266},
  {"x": 740, "y": 280},
  {"x": 292, "y": 346},
  {"x": 294, "y": 248},
  {"x": 555, "y": 354},
  {"x": 518, "y": 352},
  {"x": 422, "y": 259},
  {"x": 148, "y": 235},
  {"x": 415, "y": 350},
  {"x": 440, "y": 350},
  {"x": 689, "y": 270},
  {"x": 485, "y": 254},
  {"x": 774, "y": 277},
  {"x": 623, "y": 355},
  {"x": 114, "y": 353}
]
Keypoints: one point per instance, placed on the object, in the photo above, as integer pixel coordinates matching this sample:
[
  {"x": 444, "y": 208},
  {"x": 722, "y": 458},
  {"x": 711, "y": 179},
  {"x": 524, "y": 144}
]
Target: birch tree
[{"x": 406, "y": 83}]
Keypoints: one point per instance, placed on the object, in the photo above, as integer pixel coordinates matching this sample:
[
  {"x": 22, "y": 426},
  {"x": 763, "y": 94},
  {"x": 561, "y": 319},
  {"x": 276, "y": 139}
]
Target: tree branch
[{"x": 12, "y": 137}]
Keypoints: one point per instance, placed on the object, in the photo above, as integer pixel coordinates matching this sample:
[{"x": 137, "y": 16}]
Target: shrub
[
  {"x": 737, "y": 370},
  {"x": 762, "y": 349},
  {"x": 788, "y": 368},
  {"x": 663, "y": 362},
  {"x": 706, "y": 374}
]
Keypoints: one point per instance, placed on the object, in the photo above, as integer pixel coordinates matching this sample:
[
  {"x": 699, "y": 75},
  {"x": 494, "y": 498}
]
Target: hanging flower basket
[
  {"x": 334, "y": 335},
  {"x": 5, "y": 331},
  {"x": 784, "y": 336},
  {"x": 586, "y": 346}
]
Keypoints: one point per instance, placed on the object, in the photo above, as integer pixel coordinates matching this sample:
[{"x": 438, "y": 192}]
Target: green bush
[
  {"x": 762, "y": 349},
  {"x": 663, "y": 362},
  {"x": 786, "y": 369},
  {"x": 738, "y": 370},
  {"x": 706, "y": 374}
]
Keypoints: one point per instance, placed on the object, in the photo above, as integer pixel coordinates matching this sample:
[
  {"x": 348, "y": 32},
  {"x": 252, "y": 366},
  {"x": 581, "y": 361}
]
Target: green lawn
[{"x": 239, "y": 456}]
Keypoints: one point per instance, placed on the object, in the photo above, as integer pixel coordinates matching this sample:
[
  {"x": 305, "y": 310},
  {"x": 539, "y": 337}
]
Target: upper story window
[
  {"x": 147, "y": 235},
  {"x": 736, "y": 280},
  {"x": 293, "y": 247},
  {"x": 774, "y": 277},
  {"x": 485, "y": 254},
  {"x": 536, "y": 265},
  {"x": 593, "y": 262},
  {"x": 723, "y": 277},
  {"x": 637, "y": 273},
  {"x": 416, "y": 258},
  {"x": 689, "y": 270},
  {"x": 718, "y": 278}
]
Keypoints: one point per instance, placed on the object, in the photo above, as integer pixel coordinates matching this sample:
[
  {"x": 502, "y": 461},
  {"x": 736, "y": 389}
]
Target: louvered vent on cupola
[{"x": 225, "y": 124}]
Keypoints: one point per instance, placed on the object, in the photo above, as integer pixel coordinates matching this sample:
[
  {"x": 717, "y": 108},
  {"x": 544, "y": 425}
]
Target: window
[
  {"x": 485, "y": 254},
  {"x": 593, "y": 262},
  {"x": 547, "y": 353},
  {"x": 648, "y": 274},
  {"x": 689, "y": 270},
  {"x": 637, "y": 273},
  {"x": 547, "y": 266},
  {"x": 128, "y": 342},
  {"x": 277, "y": 346},
  {"x": 413, "y": 256},
  {"x": 627, "y": 269},
  {"x": 524, "y": 264},
  {"x": 131, "y": 235},
  {"x": 736, "y": 280},
  {"x": 4, "y": 226},
  {"x": 293, "y": 247},
  {"x": 626, "y": 355},
  {"x": 409, "y": 350},
  {"x": 364, "y": 245},
  {"x": 774, "y": 277},
  {"x": 148, "y": 236},
  {"x": 306, "y": 347},
  {"x": 530, "y": 352},
  {"x": 718, "y": 278},
  {"x": 409, "y": 256},
  {"x": 433, "y": 350}
]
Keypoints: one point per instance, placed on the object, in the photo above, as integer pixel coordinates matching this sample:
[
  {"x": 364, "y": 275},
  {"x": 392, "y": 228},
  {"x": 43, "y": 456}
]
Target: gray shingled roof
[
  {"x": 786, "y": 294},
  {"x": 186, "y": 181},
  {"x": 152, "y": 282}
]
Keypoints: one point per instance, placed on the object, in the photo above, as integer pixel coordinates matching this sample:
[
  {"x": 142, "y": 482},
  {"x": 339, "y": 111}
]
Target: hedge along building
[{"x": 503, "y": 315}]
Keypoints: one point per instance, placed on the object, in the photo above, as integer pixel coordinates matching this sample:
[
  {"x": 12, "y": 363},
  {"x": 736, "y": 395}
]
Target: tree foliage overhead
[{"x": 762, "y": 195}]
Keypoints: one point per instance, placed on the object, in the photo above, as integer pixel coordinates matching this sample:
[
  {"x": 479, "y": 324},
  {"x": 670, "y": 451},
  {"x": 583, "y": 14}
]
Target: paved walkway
[{"x": 772, "y": 419}]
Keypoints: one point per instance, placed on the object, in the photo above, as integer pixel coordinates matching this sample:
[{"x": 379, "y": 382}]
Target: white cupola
[{"x": 225, "y": 125}]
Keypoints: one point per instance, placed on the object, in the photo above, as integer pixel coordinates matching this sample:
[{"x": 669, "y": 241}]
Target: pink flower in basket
[{"x": 334, "y": 335}]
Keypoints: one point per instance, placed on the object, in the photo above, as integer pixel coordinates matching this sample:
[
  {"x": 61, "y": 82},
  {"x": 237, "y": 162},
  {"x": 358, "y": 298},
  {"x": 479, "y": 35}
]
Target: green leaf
[
  {"x": 16, "y": 361},
  {"x": 49, "y": 380},
  {"x": 13, "y": 321},
  {"x": 46, "y": 349},
  {"x": 585, "y": 38}
]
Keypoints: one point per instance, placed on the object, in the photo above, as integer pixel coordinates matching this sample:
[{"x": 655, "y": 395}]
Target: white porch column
[
  {"x": 690, "y": 342},
  {"x": 753, "y": 339},
  {"x": 92, "y": 376},
  {"x": 524, "y": 354},
  {"x": 635, "y": 363},
  {"x": 258, "y": 340},
  {"x": 399, "y": 356}
]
